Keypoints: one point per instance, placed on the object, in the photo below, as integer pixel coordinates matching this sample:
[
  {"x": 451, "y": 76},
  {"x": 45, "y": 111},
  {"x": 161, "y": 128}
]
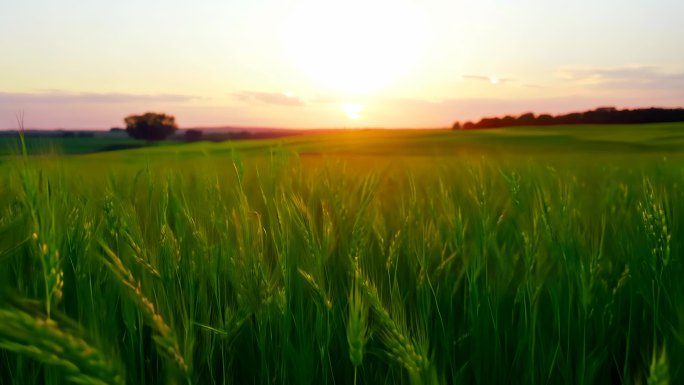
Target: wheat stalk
[
  {"x": 52, "y": 273},
  {"x": 399, "y": 345},
  {"x": 659, "y": 370},
  {"x": 43, "y": 340},
  {"x": 165, "y": 339},
  {"x": 316, "y": 288},
  {"x": 137, "y": 253},
  {"x": 357, "y": 327}
]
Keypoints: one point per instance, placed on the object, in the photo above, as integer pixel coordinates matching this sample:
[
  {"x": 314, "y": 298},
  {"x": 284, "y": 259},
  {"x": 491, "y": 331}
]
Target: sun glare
[
  {"x": 355, "y": 46},
  {"x": 353, "y": 110}
]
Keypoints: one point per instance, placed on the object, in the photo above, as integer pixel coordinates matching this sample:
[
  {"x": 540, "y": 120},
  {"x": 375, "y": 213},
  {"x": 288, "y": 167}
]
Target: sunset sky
[{"x": 333, "y": 63}]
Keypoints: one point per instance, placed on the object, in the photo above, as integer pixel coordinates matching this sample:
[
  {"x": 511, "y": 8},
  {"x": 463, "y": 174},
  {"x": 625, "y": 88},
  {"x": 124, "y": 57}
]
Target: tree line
[
  {"x": 603, "y": 115},
  {"x": 153, "y": 127}
]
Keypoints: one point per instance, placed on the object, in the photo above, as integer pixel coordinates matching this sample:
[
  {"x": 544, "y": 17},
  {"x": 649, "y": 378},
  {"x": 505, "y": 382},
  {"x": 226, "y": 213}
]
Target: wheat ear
[
  {"x": 399, "y": 346},
  {"x": 43, "y": 340},
  {"x": 165, "y": 339},
  {"x": 357, "y": 326}
]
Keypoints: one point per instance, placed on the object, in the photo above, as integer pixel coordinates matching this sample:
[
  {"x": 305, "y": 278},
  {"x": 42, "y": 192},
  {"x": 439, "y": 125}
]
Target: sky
[{"x": 333, "y": 63}]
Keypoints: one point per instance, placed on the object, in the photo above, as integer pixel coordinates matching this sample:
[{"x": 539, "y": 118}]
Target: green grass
[
  {"x": 528, "y": 256},
  {"x": 56, "y": 145}
]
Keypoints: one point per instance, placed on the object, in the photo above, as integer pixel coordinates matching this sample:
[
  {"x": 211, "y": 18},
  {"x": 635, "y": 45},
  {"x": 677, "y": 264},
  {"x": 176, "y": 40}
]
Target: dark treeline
[
  {"x": 194, "y": 135},
  {"x": 604, "y": 115}
]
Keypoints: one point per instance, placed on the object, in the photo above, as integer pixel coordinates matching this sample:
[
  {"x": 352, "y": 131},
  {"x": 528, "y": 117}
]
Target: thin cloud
[
  {"x": 65, "y": 97},
  {"x": 625, "y": 77},
  {"x": 488, "y": 79},
  {"x": 606, "y": 73},
  {"x": 280, "y": 99}
]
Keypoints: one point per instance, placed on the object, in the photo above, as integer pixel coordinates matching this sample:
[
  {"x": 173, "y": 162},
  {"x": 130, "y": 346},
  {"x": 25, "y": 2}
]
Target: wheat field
[{"x": 270, "y": 263}]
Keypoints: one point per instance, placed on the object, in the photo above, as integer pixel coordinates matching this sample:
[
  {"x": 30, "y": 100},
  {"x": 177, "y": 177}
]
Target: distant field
[
  {"x": 550, "y": 139},
  {"x": 548, "y": 255},
  {"x": 59, "y": 146}
]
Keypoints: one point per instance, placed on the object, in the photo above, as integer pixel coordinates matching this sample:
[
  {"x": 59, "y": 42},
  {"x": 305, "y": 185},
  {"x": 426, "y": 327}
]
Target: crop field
[{"x": 511, "y": 256}]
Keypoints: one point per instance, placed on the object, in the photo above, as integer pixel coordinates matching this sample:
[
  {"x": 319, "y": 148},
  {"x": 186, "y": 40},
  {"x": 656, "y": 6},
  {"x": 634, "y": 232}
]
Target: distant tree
[
  {"x": 489, "y": 123},
  {"x": 468, "y": 125},
  {"x": 116, "y": 129},
  {"x": 526, "y": 119},
  {"x": 601, "y": 115},
  {"x": 150, "y": 126},
  {"x": 456, "y": 126},
  {"x": 508, "y": 121},
  {"x": 571, "y": 118},
  {"x": 193, "y": 135},
  {"x": 544, "y": 119}
]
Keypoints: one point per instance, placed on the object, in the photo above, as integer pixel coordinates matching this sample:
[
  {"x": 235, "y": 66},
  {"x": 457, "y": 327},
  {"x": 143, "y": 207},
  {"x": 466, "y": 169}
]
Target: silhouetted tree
[
  {"x": 527, "y": 119},
  {"x": 489, "y": 123},
  {"x": 544, "y": 119},
  {"x": 150, "y": 126},
  {"x": 456, "y": 126},
  {"x": 602, "y": 115},
  {"x": 193, "y": 135},
  {"x": 508, "y": 121}
]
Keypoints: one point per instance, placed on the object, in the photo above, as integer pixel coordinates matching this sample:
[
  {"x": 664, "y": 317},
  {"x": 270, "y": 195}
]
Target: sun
[
  {"x": 355, "y": 46},
  {"x": 353, "y": 110}
]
